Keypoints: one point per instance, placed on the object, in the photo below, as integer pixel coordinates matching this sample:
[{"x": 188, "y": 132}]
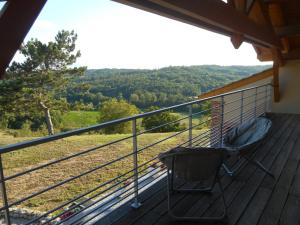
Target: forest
[
  {"x": 145, "y": 88},
  {"x": 48, "y": 86}
]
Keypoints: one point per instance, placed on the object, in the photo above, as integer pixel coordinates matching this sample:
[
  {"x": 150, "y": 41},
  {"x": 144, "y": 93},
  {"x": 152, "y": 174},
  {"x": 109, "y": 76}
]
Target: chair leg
[
  {"x": 261, "y": 166},
  {"x": 227, "y": 170},
  {"x": 196, "y": 219}
]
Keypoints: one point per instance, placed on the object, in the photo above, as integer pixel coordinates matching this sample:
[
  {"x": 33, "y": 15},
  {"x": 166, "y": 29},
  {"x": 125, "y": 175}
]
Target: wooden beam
[
  {"x": 249, "y": 5},
  {"x": 231, "y": 3},
  {"x": 215, "y": 14},
  {"x": 292, "y": 54},
  {"x": 275, "y": 1},
  {"x": 243, "y": 6},
  {"x": 265, "y": 56},
  {"x": 276, "y": 83},
  {"x": 16, "y": 19},
  {"x": 285, "y": 44},
  {"x": 230, "y": 19},
  {"x": 277, "y": 56},
  {"x": 237, "y": 40},
  {"x": 238, "y": 84},
  {"x": 288, "y": 31},
  {"x": 240, "y": 5},
  {"x": 276, "y": 14}
]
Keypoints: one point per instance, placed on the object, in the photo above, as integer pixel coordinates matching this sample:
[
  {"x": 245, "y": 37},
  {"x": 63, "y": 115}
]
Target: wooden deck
[{"x": 253, "y": 198}]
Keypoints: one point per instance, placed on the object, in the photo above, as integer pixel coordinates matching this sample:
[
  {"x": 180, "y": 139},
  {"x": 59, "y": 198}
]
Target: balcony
[
  {"x": 252, "y": 196},
  {"x": 135, "y": 190}
]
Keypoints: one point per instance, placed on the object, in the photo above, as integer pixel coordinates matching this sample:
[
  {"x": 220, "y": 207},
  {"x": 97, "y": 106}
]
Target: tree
[
  {"x": 159, "y": 119},
  {"x": 116, "y": 109},
  {"x": 134, "y": 98},
  {"x": 32, "y": 84}
]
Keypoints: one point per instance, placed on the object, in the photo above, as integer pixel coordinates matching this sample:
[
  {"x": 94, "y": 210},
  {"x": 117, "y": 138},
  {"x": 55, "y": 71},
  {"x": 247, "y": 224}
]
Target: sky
[{"x": 112, "y": 35}]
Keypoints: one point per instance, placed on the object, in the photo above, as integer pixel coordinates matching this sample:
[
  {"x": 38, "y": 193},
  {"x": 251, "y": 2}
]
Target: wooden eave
[
  {"x": 238, "y": 84},
  {"x": 212, "y": 15},
  {"x": 272, "y": 26},
  {"x": 267, "y": 24},
  {"x": 16, "y": 19}
]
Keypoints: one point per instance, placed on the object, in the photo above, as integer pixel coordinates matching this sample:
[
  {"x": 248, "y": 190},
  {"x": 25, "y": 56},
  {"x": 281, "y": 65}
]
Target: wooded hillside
[{"x": 161, "y": 87}]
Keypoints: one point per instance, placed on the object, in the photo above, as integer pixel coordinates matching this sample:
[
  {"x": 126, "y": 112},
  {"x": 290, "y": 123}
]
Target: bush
[
  {"x": 160, "y": 119},
  {"x": 116, "y": 109}
]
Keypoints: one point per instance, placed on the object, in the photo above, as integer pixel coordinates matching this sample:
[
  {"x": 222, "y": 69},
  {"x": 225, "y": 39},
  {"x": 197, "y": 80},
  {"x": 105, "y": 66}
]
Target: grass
[
  {"x": 196, "y": 119},
  {"x": 78, "y": 119},
  {"x": 25, "y": 159}
]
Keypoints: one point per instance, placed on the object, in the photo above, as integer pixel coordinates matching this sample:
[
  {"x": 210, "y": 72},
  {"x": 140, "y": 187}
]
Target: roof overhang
[
  {"x": 259, "y": 22},
  {"x": 16, "y": 19},
  {"x": 213, "y": 15}
]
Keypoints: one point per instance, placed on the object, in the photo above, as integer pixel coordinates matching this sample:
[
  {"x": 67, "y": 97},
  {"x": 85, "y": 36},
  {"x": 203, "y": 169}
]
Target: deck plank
[
  {"x": 252, "y": 196},
  {"x": 291, "y": 212},
  {"x": 257, "y": 205},
  {"x": 277, "y": 133},
  {"x": 273, "y": 210},
  {"x": 246, "y": 174},
  {"x": 240, "y": 203}
]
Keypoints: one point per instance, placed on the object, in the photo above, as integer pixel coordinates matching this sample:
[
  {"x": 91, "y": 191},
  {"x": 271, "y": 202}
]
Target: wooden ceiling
[{"x": 271, "y": 26}]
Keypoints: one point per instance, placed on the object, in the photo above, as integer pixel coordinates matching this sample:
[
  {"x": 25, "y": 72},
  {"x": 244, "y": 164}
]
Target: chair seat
[{"x": 244, "y": 136}]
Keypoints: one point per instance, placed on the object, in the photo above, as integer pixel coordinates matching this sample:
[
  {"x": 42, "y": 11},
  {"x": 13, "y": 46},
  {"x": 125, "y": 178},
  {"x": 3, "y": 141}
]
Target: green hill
[{"x": 161, "y": 87}]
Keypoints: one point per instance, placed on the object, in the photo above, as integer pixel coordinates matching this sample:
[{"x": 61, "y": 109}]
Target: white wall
[{"x": 289, "y": 85}]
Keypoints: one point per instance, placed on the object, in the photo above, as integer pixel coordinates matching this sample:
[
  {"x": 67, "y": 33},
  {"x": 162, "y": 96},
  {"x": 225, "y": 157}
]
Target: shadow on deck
[{"x": 252, "y": 196}]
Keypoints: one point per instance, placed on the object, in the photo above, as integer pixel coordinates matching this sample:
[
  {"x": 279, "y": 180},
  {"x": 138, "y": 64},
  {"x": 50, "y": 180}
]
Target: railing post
[
  {"x": 222, "y": 121},
  {"x": 136, "y": 204},
  {"x": 255, "y": 103},
  {"x": 190, "y": 125},
  {"x": 4, "y": 194},
  {"x": 266, "y": 101},
  {"x": 242, "y": 107},
  {"x": 269, "y": 98}
]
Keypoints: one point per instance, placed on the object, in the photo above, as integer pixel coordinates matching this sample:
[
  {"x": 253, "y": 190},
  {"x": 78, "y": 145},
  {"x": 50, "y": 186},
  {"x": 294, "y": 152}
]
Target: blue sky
[{"x": 112, "y": 35}]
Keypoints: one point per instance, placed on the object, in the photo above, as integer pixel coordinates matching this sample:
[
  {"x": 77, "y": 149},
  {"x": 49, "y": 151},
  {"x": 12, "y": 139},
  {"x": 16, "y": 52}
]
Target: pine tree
[{"x": 31, "y": 85}]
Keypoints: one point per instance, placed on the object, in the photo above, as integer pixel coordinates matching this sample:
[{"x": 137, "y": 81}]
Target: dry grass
[{"x": 22, "y": 160}]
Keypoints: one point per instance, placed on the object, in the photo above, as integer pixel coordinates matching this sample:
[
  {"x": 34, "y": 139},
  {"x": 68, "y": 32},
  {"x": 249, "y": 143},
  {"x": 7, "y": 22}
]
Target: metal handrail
[
  {"x": 54, "y": 137},
  {"x": 211, "y": 137}
]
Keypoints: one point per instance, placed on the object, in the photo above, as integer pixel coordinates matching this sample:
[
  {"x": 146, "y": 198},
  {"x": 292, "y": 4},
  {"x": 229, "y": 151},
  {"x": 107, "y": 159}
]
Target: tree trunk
[{"x": 48, "y": 118}]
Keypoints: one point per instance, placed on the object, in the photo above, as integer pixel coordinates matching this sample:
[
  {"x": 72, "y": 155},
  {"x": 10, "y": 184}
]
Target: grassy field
[
  {"x": 196, "y": 119},
  {"x": 25, "y": 159},
  {"x": 21, "y": 160},
  {"x": 78, "y": 119}
]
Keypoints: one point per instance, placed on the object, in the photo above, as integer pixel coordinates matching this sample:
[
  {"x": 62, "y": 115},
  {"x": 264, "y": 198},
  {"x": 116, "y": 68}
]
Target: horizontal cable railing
[{"x": 117, "y": 171}]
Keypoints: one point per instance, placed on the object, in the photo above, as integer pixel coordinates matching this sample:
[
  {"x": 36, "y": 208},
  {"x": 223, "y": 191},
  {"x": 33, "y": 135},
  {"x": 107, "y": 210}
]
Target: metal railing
[{"x": 135, "y": 169}]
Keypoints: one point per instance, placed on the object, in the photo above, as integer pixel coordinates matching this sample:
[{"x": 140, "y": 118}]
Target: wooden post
[{"x": 276, "y": 83}]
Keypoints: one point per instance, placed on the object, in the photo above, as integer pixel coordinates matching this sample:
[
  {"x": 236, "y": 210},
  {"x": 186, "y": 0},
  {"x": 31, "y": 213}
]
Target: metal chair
[
  {"x": 242, "y": 140},
  {"x": 194, "y": 165}
]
